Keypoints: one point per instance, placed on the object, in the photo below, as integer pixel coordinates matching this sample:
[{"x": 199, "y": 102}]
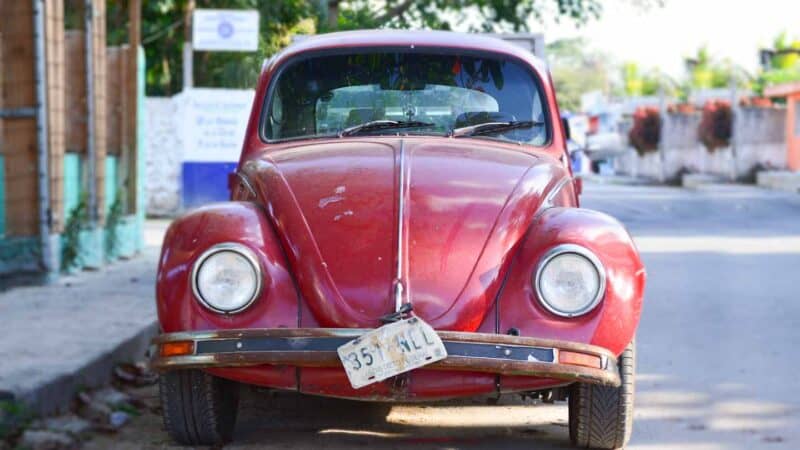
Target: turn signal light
[
  {"x": 177, "y": 348},
  {"x": 579, "y": 359}
]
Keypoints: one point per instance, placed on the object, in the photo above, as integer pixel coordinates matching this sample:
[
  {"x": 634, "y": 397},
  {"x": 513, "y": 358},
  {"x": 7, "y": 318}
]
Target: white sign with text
[
  {"x": 225, "y": 30},
  {"x": 214, "y": 123}
]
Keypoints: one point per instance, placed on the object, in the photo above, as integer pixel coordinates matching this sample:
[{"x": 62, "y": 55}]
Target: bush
[
  {"x": 645, "y": 134},
  {"x": 716, "y": 124}
]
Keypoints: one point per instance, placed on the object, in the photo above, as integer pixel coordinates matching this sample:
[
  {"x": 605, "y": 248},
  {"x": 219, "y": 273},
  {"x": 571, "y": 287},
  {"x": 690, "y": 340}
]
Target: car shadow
[{"x": 291, "y": 420}]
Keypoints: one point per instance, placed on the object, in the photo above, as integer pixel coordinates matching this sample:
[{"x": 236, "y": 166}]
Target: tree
[
  {"x": 784, "y": 65},
  {"x": 649, "y": 83},
  {"x": 706, "y": 72},
  {"x": 493, "y": 15},
  {"x": 164, "y": 30},
  {"x": 576, "y": 71}
]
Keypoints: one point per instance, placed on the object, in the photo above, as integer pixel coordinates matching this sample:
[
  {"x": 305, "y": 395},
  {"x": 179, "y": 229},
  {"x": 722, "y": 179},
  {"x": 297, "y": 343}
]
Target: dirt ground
[{"x": 282, "y": 420}]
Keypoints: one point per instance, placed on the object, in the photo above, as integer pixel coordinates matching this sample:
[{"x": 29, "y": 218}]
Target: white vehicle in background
[{"x": 603, "y": 141}]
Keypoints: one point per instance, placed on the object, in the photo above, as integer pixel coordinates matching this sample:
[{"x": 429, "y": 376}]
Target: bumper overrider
[{"x": 316, "y": 347}]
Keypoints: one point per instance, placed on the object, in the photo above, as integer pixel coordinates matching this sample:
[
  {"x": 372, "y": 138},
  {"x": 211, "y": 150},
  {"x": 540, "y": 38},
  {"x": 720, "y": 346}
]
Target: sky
[{"x": 662, "y": 37}]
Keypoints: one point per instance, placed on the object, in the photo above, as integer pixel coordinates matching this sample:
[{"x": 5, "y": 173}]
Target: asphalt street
[{"x": 718, "y": 362}]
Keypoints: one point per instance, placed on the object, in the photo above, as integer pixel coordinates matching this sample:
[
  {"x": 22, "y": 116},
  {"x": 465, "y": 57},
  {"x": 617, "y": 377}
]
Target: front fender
[
  {"x": 189, "y": 236},
  {"x": 612, "y": 324}
]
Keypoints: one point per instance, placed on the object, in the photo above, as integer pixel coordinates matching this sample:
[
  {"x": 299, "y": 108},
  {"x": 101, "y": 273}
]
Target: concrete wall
[
  {"x": 164, "y": 156},
  {"x": 194, "y": 140},
  {"x": 758, "y": 135},
  {"x": 760, "y": 139}
]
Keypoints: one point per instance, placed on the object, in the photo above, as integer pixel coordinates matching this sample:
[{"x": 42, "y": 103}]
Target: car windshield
[{"x": 373, "y": 93}]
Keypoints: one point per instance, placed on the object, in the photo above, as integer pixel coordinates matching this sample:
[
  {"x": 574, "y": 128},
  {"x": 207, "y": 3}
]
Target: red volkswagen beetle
[{"x": 403, "y": 226}]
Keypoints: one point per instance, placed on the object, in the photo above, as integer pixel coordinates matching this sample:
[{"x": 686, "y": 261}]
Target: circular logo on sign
[{"x": 225, "y": 29}]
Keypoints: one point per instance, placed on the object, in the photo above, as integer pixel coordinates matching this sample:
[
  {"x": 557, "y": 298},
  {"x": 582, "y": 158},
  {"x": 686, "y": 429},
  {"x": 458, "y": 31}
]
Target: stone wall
[
  {"x": 760, "y": 139},
  {"x": 759, "y": 142},
  {"x": 163, "y": 164}
]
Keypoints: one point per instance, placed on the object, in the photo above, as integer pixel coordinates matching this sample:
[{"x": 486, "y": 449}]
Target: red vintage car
[{"x": 403, "y": 226}]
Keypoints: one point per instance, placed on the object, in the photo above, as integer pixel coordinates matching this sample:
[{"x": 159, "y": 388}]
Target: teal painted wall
[
  {"x": 73, "y": 193},
  {"x": 23, "y": 253},
  {"x": 126, "y": 238},
  {"x": 112, "y": 182},
  {"x": 73, "y": 185}
]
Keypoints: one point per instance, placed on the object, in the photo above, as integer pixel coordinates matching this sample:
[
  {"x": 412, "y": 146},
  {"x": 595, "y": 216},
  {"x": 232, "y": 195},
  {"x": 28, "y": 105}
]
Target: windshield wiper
[
  {"x": 493, "y": 127},
  {"x": 383, "y": 125}
]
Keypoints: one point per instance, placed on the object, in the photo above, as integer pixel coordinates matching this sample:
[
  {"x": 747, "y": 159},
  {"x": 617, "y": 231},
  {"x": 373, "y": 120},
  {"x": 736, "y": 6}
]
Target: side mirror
[
  {"x": 565, "y": 126},
  {"x": 233, "y": 182}
]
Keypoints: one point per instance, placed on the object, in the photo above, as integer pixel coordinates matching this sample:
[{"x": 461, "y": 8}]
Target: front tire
[
  {"x": 601, "y": 417},
  {"x": 198, "y": 408}
]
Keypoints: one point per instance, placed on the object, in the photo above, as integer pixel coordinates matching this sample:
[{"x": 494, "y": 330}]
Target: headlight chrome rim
[
  {"x": 580, "y": 251},
  {"x": 240, "y": 249}
]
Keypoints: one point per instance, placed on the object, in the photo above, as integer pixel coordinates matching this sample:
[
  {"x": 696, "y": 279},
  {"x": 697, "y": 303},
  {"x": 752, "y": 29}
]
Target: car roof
[{"x": 403, "y": 38}]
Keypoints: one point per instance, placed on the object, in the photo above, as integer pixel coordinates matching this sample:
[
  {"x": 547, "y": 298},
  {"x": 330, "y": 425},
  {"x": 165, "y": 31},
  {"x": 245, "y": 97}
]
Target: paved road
[{"x": 717, "y": 362}]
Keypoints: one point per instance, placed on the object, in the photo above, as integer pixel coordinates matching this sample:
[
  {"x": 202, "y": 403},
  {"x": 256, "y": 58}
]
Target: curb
[
  {"x": 700, "y": 180},
  {"x": 57, "y": 394},
  {"x": 619, "y": 180}
]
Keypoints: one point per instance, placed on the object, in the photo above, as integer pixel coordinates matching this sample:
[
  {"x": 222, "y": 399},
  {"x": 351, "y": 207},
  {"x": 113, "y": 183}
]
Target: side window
[{"x": 276, "y": 115}]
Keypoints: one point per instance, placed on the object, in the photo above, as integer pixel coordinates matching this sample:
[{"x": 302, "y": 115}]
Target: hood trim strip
[{"x": 400, "y": 291}]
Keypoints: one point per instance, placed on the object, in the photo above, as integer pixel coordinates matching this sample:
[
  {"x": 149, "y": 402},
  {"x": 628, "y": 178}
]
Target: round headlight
[
  {"x": 226, "y": 278},
  {"x": 570, "y": 280}
]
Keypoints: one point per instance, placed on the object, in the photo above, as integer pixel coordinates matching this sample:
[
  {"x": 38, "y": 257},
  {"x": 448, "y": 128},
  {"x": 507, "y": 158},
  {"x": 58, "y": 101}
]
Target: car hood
[{"x": 336, "y": 207}]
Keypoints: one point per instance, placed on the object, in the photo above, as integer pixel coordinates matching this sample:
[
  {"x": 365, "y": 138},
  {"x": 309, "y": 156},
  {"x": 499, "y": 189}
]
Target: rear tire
[
  {"x": 601, "y": 417},
  {"x": 198, "y": 408}
]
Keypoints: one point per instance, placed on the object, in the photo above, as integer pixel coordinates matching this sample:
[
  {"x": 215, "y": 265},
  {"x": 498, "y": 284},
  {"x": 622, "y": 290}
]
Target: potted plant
[
  {"x": 716, "y": 124},
  {"x": 645, "y": 133}
]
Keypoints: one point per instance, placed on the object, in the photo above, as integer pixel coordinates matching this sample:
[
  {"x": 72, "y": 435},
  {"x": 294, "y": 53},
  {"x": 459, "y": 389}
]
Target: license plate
[{"x": 390, "y": 350}]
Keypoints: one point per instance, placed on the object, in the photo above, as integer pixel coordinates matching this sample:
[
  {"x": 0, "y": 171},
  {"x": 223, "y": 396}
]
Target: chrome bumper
[{"x": 316, "y": 347}]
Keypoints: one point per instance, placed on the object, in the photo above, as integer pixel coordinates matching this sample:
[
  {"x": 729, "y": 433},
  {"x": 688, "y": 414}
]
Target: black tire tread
[
  {"x": 198, "y": 408},
  {"x": 601, "y": 417}
]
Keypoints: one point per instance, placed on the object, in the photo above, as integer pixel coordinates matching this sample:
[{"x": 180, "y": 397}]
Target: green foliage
[
  {"x": 787, "y": 61},
  {"x": 637, "y": 83},
  {"x": 14, "y": 418},
  {"x": 163, "y": 28},
  {"x": 706, "y": 72},
  {"x": 781, "y": 76},
  {"x": 76, "y": 222},
  {"x": 112, "y": 221},
  {"x": 784, "y": 67},
  {"x": 577, "y": 70},
  {"x": 491, "y": 15}
]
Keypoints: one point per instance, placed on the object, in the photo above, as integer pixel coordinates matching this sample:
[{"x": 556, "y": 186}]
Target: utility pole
[
  {"x": 662, "y": 112},
  {"x": 188, "y": 52},
  {"x": 132, "y": 103},
  {"x": 734, "y": 114},
  {"x": 91, "y": 120}
]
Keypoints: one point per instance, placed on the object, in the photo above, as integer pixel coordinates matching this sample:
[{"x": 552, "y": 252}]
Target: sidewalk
[{"x": 58, "y": 338}]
